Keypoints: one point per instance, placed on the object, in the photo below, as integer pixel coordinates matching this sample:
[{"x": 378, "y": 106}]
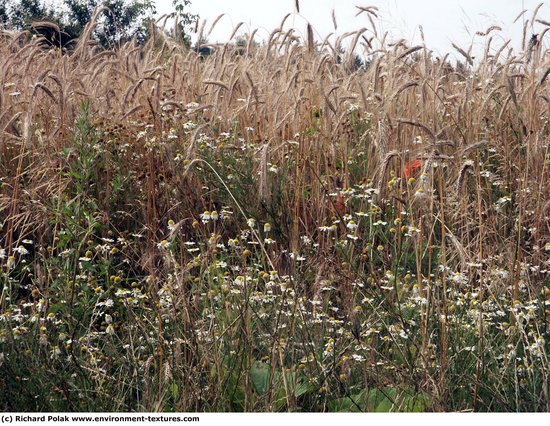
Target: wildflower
[
  {"x": 305, "y": 239},
  {"x": 121, "y": 293},
  {"x": 18, "y": 332},
  {"x": 86, "y": 258},
  {"x": 56, "y": 351},
  {"x": 412, "y": 168},
  {"x": 340, "y": 205},
  {"x": 504, "y": 200},
  {"x": 21, "y": 250},
  {"x": 458, "y": 278},
  {"x": 172, "y": 134},
  {"x": 267, "y": 227},
  {"x": 501, "y": 202},
  {"x": 351, "y": 225},
  {"x": 163, "y": 245},
  {"x": 251, "y": 222},
  {"x": 189, "y": 125},
  {"x": 205, "y": 217},
  {"x": 110, "y": 330},
  {"x": 419, "y": 192},
  {"x": 351, "y": 106}
]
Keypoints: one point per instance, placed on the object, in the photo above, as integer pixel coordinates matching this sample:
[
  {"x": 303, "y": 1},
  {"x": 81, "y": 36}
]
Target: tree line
[{"x": 123, "y": 20}]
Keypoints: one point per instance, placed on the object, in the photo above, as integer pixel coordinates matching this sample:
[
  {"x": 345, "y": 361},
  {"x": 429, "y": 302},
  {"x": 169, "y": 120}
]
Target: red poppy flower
[
  {"x": 340, "y": 205},
  {"x": 412, "y": 168}
]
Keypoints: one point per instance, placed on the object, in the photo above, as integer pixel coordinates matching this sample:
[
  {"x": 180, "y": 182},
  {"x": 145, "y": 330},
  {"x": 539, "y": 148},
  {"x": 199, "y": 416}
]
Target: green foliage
[
  {"x": 123, "y": 21},
  {"x": 384, "y": 400},
  {"x": 180, "y": 260},
  {"x": 184, "y": 19},
  {"x": 20, "y": 14},
  {"x": 260, "y": 373},
  {"x": 3, "y": 11}
]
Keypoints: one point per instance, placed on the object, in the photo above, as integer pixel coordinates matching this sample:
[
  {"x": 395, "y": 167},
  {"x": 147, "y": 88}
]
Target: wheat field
[{"x": 273, "y": 226}]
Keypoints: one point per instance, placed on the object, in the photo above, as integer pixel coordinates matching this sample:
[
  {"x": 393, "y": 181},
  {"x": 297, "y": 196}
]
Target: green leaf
[
  {"x": 380, "y": 401},
  {"x": 354, "y": 403},
  {"x": 174, "y": 391},
  {"x": 303, "y": 388},
  {"x": 415, "y": 402},
  {"x": 390, "y": 399},
  {"x": 235, "y": 393},
  {"x": 279, "y": 400},
  {"x": 259, "y": 373}
]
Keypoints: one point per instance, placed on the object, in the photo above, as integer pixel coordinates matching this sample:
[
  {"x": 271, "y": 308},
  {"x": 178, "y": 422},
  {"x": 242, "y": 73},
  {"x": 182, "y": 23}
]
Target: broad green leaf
[
  {"x": 259, "y": 373},
  {"x": 302, "y": 388},
  {"x": 379, "y": 401},
  {"x": 353, "y": 404},
  {"x": 415, "y": 403}
]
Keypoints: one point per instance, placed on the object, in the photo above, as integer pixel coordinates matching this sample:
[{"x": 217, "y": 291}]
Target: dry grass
[{"x": 296, "y": 138}]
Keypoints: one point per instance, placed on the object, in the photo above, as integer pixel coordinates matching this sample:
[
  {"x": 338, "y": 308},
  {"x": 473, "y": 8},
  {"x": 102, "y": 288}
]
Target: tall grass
[{"x": 269, "y": 228}]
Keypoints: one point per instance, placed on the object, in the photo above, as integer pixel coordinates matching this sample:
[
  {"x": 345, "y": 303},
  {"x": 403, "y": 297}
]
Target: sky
[{"x": 443, "y": 21}]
